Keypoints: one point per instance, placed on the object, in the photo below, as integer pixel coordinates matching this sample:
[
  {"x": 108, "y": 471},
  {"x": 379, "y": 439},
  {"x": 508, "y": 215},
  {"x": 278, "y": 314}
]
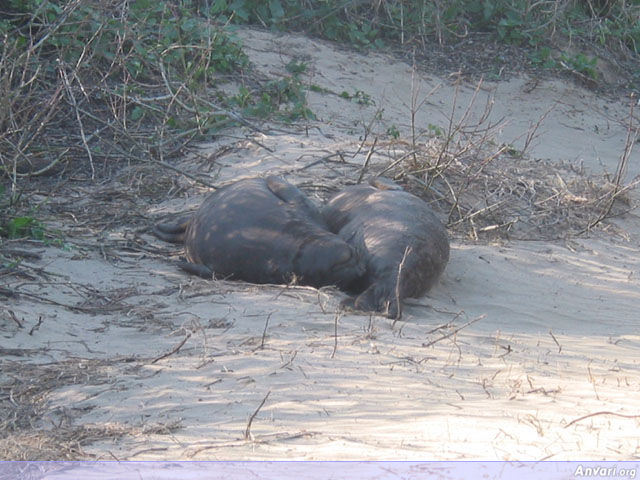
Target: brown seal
[
  {"x": 403, "y": 243},
  {"x": 263, "y": 231}
]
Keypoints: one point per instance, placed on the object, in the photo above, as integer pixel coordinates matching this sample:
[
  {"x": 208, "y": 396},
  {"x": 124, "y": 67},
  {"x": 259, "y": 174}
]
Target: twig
[
  {"x": 397, "y": 162},
  {"x": 62, "y": 18},
  {"x": 247, "y": 432},
  {"x": 470, "y": 322},
  {"x": 335, "y": 335},
  {"x": 182, "y": 172},
  {"x": 600, "y": 413},
  {"x": 36, "y": 326},
  {"x": 290, "y": 361},
  {"x": 366, "y": 160},
  {"x": 531, "y": 134},
  {"x": 398, "y": 282},
  {"x": 632, "y": 135},
  {"x": 555, "y": 340},
  {"x": 261, "y": 439},
  {"x": 264, "y": 332},
  {"x": 175, "y": 350},
  {"x": 15, "y": 319},
  {"x": 72, "y": 97},
  {"x": 102, "y": 308},
  {"x": 367, "y": 131}
]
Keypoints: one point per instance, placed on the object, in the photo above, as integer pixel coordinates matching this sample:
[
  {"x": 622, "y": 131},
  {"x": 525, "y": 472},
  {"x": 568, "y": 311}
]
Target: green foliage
[
  {"x": 285, "y": 98},
  {"x": 580, "y": 63},
  {"x": 134, "y": 75},
  {"x": 542, "y": 58},
  {"x": 19, "y": 227},
  {"x": 529, "y": 23},
  {"x": 435, "y": 130},
  {"x": 393, "y": 132},
  {"x": 359, "y": 97},
  {"x": 296, "y": 68},
  {"x": 138, "y": 38}
]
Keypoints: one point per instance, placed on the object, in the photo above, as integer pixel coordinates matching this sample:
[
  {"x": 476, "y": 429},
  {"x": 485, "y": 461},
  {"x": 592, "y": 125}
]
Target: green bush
[{"x": 373, "y": 24}]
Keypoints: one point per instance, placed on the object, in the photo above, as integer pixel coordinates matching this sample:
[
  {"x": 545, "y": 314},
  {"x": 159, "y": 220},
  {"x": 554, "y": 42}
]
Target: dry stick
[
  {"x": 262, "y": 440},
  {"x": 335, "y": 334},
  {"x": 62, "y": 18},
  {"x": 166, "y": 165},
  {"x": 478, "y": 212},
  {"x": 41, "y": 119},
  {"x": 173, "y": 99},
  {"x": 415, "y": 108},
  {"x": 72, "y": 97},
  {"x": 229, "y": 113},
  {"x": 15, "y": 319},
  {"x": 415, "y": 91},
  {"x": 290, "y": 361},
  {"x": 531, "y": 134},
  {"x": 367, "y": 131},
  {"x": 175, "y": 350},
  {"x": 470, "y": 322},
  {"x": 162, "y": 163},
  {"x": 621, "y": 170},
  {"x": 43, "y": 170},
  {"x": 71, "y": 307},
  {"x": 397, "y": 162},
  {"x": 264, "y": 332},
  {"x": 36, "y": 326},
  {"x": 62, "y": 155},
  {"x": 600, "y": 413},
  {"x": 555, "y": 340},
  {"x": 452, "y": 129},
  {"x": 247, "y": 432},
  {"x": 367, "y": 160},
  {"x": 398, "y": 281}
]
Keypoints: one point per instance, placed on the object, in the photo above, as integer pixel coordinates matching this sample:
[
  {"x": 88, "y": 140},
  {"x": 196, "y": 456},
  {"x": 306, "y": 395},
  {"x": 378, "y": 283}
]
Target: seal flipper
[
  {"x": 173, "y": 232},
  {"x": 291, "y": 194},
  {"x": 196, "y": 269},
  {"x": 379, "y": 298}
]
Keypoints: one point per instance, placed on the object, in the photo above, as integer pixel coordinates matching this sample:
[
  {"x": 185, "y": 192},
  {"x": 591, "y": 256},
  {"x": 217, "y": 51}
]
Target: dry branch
[
  {"x": 174, "y": 350},
  {"x": 247, "y": 432},
  {"x": 599, "y": 413},
  {"x": 453, "y": 332}
]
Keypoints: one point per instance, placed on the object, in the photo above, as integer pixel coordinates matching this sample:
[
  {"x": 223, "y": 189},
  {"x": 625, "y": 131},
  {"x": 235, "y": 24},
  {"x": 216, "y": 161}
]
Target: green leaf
[
  {"x": 276, "y": 9},
  {"x": 137, "y": 113}
]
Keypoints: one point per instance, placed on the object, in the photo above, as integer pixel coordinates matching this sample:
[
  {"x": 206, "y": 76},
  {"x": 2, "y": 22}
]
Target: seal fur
[
  {"x": 404, "y": 245},
  {"x": 262, "y": 231}
]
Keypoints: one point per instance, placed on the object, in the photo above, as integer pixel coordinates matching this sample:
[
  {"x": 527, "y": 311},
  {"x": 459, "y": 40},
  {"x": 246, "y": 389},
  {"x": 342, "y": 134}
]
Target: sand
[{"x": 525, "y": 350}]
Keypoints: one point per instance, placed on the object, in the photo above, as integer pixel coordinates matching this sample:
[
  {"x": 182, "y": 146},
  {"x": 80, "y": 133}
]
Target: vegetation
[
  {"x": 513, "y": 21},
  {"x": 86, "y": 84},
  {"x": 610, "y": 23}
]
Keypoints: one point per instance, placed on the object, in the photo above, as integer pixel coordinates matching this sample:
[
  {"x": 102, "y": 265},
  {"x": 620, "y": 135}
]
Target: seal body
[
  {"x": 263, "y": 231},
  {"x": 404, "y": 245}
]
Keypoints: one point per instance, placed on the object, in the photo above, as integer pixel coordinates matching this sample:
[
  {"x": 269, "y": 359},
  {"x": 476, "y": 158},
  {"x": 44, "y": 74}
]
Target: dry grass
[
  {"x": 491, "y": 190},
  {"x": 82, "y": 103},
  {"x": 30, "y": 429}
]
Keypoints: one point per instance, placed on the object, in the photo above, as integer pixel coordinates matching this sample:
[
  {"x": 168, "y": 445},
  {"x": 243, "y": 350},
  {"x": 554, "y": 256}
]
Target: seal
[
  {"x": 263, "y": 231},
  {"x": 404, "y": 245}
]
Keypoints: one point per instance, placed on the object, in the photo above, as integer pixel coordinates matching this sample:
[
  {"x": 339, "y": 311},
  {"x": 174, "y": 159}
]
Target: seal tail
[{"x": 172, "y": 232}]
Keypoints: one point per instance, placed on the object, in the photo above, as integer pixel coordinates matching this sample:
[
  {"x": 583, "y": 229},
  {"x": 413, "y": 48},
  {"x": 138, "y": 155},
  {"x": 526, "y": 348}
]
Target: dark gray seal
[
  {"x": 263, "y": 231},
  {"x": 403, "y": 243}
]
